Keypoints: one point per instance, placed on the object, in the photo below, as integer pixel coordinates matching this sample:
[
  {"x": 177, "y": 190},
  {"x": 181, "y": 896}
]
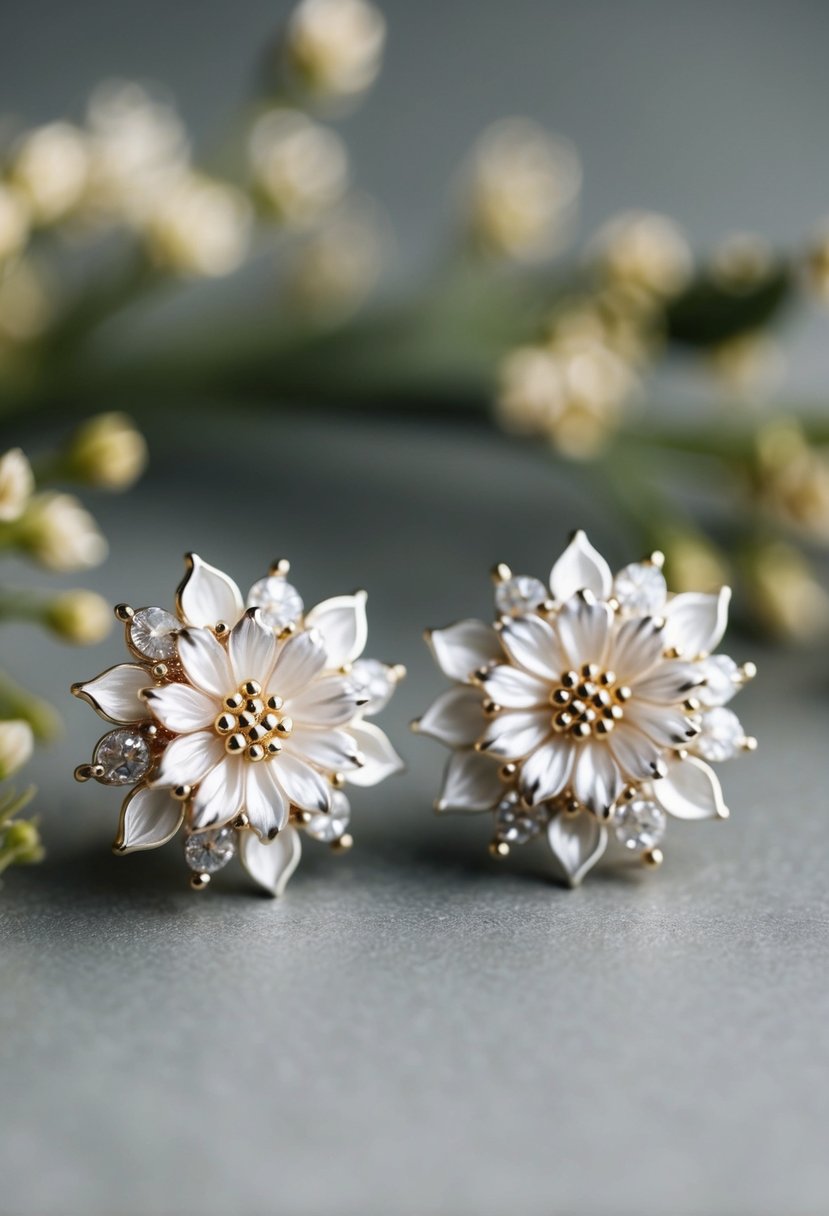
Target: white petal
[
  {"x": 265, "y": 805},
  {"x": 513, "y": 688},
  {"x": 580, "y": 567},
  {"x": 461, "y": 649},
  {"x": 597, "y": 782},
  {"x": 546, "y": 772},
  {"x": 331, "y": 750},
  {"x": 532, "y": 644},
  {"x": 207, "y": 596},
  {"x": 181, "y": 708},
  {"x": 342, "y": 623},
  {"x": 514, "y": 734},
  {"x": 301, "y": 658},
  {"x": 251, "y": 649},
  {"x": 696, "y": 622},
  {"x": 638, "y": 645},
  {"x": 722, "y": 680},
  {"x": 456, "y": 718},
  {"x": 271, "y": 865},
  {"x": 691, "y": 790},
  {"x": 114, "y": 693},
  {"x": 205, "y": 662},
  {"x": 188, "y": 758},
  {"x": 302, "y": 785},
  {"x": 381, "y": 760},
  {"x": 331, "y": 701},
  {"x": 221, "y": 794},
  {"x": 149, "y": 818},
  {"x": 638, "y": 756},
  {"x": 667, "y": 683},
  {"x": 577, "y": 842},
  {"x": 470, "y": 783},
  {"x": 667, "y": 727},
  {"x": 583, "y": 629}
]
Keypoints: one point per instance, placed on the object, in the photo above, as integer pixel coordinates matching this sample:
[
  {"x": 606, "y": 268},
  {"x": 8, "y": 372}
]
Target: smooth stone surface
[{"x": 415, "y": 1026}]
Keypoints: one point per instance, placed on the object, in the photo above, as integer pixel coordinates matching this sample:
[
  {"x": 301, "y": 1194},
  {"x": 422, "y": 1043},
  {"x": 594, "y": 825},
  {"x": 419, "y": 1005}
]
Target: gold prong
[
  {"x": 748, "y": 671},
  {"x": 572, "y": 806},
  {"x": 149, "y": 728},
  {"x": 673, "y": 652},
  {"x": 657, "y": 558},
  {"x": 123, "y": 613},
  {"x": 182, "y": 792},
  {"x": 241, "y": 822},
  {"x": 507, "y": 771},
  {"x": 607, "y": 678},
  {"x": 491, "y": 708},
  {"x": 281, "y": 566},
  {"x": 221, "y": 628},
  {"x": 274, "y": 747},
  {"x": 749, "y": 744},
  {"x": 199, "y": 881},
  {"x": 499, "y": 849},
  {"x": 501, "y": 573},
  {"x": 338, "y": 781},
  {"x": 623, "y": 693},
  {"x": 653, "y": 858},
  {"x": 226, "y": 723},
  {"x": 87, "y": 772},
  {"x": 570, "y": 679},
  {"x": 287, "y": 632},
  {"x": 256, "y": 752},
  {"x": 236, "y": 744},
  {"x": 251, "y": 688},
  {"x": 160, "y": 670},
  {"x": 234, "y": 701},
  {"x": 285, "y": 725},
  {"x": 398, "y": 670},
  {"x": 343, "y": 844},
  {"x": 692, "y": 705},
  {"x": 275, "y": 702}
]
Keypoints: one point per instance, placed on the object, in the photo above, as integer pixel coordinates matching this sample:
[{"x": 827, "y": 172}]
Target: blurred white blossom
[
  {"x": 60, "y": 533},
  {"x": 50, "y": 166},
  {"x": 334, "y": 48},
  {"x": 17, "y": 484},
  {"x": 299, "y": 167},
  {"x": 199, "y": 227},
  {"x": 106, "y": 451},
  {"x": 17, "y": 743},
  {"x": 646, "y": 251},
  {"x": 81, "y": 617}
]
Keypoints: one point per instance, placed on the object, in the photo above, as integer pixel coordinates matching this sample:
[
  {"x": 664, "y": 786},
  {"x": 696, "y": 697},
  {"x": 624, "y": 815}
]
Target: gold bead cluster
[
  {"x": 251, "y": 726},
  {"x": 588, "y": 703}
]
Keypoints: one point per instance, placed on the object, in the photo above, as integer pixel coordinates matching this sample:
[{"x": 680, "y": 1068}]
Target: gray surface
[{"x": 413, "y": 1029}]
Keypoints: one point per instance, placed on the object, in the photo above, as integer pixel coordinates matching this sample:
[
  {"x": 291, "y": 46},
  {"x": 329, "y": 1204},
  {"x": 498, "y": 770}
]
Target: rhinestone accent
[
  {"x": 330, "y": 826},
  {"x": 641, "y": 588},
  {"x": 152, "y": 633},
  {"x": 207, "y": 852},
  {"x": 279, "y": 603},
  {"x": 721, "y": 736},
  {"x": 513, "y": 824},
  {"x": 722, "y": 680},
  {"x": 639, "y": 824},
  {"x": 520, "y": 594},
  {"x": 124, "y": 756}
]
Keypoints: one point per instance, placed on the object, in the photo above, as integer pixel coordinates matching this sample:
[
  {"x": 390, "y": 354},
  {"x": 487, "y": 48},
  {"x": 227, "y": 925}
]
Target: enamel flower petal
[
  {"x": 591, "y": 718},
  {"x": 236, "y": 727}
]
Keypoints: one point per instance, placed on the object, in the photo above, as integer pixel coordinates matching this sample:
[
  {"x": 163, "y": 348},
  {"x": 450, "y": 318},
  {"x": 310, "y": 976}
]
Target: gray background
[{"x": 415, "y": 1029}]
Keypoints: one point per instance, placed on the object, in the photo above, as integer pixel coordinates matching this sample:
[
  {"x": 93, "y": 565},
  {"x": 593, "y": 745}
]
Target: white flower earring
[
  {"x": 591, "y": 709},
  {"x": 241, "y": 726}
]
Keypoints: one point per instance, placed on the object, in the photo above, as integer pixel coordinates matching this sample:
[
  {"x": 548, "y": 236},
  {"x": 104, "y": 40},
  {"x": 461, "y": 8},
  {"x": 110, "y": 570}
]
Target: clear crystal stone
[
  {"x": 152, "y": 633},
  {"x": 519, "y": 594},
  {"x": 721, "y": 735},
  {"x": 330, "y": 825},
  {"x": 639, "y": 824},
  {"x": 124, "y": 756},
  {"x": 374, "y": 680},
  {"x": 207, "y": 852},
  {"x": 722, "y": 679},
  {"x": 514, "y": 824},
  {"x": 641, "y": 588},
  {"x": 280, "y": 604}
]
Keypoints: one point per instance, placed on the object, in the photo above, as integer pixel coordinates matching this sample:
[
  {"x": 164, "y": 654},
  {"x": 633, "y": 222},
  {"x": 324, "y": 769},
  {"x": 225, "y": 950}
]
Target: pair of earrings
[{"x": 588, "y": 712}]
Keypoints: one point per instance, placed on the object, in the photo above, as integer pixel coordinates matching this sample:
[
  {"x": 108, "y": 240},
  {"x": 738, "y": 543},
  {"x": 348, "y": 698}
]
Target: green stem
[{"x": 18, "y": 702}]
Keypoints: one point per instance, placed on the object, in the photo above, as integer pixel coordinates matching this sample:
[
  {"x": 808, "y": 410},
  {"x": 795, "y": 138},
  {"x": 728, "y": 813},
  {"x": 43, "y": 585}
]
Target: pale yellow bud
[
  {"x": 59, "y": 533},
  {"x": 81, "y": 617},
  {"x": 299, "y": 167},
  {"x": 25, "y": 303},
  {"x": 531, "y": 390},
  {"x": 17, "y": 743},
  {"x": 335, "y": 267},
  {"x": 17, "y": 484},
  {"x": 750, "y": 366},
  {"x": 692, "y": 563},
  {"x": 334, "y": 47},
  {"x": 199, "y": 227},
  {"x": 107, "y": 452},
  {"x": 520, "y": 189},
  {"x": 646, "y": 251},
  {"x": 50, "y": 167},
  {"x": 20, "y": 843},
  {"x": 792, "y": 478},
  {"x": 784, "y": 595},
  {"x": 14, "y": 222}
]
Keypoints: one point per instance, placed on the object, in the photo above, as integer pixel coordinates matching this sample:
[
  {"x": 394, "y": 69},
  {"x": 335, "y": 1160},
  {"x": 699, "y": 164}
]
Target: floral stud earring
[
  {"x": 241, "y": 727},
  {"x": 589, "y": 710}
]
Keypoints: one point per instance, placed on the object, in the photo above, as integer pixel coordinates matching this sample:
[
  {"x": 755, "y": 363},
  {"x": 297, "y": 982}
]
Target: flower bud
[
  {"x": 521, "y": 186},
  {"x": 199, "y": 227},
  {"x": 81, "y": 617},
  {"x": 17, "y": 743},
  {"x": 20, "y": 843},
  {"x": 16, "y": 484},
  {"x": 751, "y": 366},
  {"x": 645, "y": 251},
  {"x": 14, "y": 222},
  {"x": 784, "y": 595},
  {"x": 26, "y": 301},
  {"x": 107, "y": 452},
  {"x": 59, "y": 533},
  {"x": 692, "y": 563},
  {"x": 299, "y": 167},
  {"x": 50, "y": 167},
  {"x": 333, "y": 48},
  {"x": 791, "y": 479}
]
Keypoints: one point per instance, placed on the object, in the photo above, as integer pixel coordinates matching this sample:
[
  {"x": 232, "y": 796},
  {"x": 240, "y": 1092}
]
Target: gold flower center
[
  {"x": 251, "y": 726},
  {"x": 588, "y": 703}
]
